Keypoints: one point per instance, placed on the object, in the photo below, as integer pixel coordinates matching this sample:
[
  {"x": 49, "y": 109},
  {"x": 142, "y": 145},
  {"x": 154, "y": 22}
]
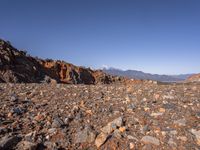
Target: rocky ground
[{"x": 117, "y": 116}]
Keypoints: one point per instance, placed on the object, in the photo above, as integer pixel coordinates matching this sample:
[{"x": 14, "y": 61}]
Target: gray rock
[
  {"x": 150, "y": 140},
  {"x": 17, "y": 110},
  {"x": 131, "y": 107},
  {"x": 180, "y": 122},
  {"x": 110, "y": 127},
  {"x": 118, "y": 121},
  {"x": 57, "y": 123},
  {"x": 13, "y": 97},
  {"x": 87, "y": 135}
]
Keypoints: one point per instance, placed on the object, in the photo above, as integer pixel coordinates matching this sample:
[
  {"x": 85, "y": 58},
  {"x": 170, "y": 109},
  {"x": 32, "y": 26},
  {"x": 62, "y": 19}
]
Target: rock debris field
[{"x": 143, "y": 116}]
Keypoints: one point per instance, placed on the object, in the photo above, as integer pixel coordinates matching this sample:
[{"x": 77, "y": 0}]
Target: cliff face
[
  {"x": 16, "y": 66},
  {"x": 194, "y": 78}
]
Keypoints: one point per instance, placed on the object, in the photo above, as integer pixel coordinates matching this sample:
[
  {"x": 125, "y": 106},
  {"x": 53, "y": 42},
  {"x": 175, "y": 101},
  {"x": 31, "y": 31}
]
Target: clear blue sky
[{"x": 156, "y": 36}]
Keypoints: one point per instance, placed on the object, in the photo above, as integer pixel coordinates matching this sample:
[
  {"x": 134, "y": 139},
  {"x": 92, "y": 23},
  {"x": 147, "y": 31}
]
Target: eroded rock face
[{"x": 16, "y": 67}]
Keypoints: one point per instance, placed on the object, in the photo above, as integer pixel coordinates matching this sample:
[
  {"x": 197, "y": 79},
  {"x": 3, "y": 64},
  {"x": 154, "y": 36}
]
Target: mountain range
[{"x": 134, "y": 74}]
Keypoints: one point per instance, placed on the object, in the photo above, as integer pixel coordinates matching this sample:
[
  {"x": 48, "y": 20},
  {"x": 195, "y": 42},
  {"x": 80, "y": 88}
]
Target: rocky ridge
[{"x": 16, "y": 66}]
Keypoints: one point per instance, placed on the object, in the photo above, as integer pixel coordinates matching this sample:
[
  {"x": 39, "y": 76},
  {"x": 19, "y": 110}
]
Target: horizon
[{"x": 158, "y": 37}]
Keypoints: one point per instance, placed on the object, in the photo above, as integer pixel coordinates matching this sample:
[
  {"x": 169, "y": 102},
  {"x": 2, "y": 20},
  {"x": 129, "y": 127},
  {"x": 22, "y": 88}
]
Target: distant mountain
[{"x": 141, "y": 75}]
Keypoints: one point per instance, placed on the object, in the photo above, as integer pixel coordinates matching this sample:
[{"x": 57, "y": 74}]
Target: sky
[{"x": 155, "y": 36}]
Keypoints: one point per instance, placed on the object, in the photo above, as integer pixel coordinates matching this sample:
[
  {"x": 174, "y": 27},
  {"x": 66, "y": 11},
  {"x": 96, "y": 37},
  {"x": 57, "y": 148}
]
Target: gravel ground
[{"x": 117, "y": 116}]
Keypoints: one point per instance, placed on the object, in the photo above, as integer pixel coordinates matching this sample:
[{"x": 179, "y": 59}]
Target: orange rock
[
  {"x": 162, "y": 110},
  {"x": 122, "y": 129}
]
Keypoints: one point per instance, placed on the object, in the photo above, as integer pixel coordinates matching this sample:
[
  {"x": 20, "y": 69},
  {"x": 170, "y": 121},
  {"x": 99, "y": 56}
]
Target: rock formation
[{"x": 16, "y": 66}]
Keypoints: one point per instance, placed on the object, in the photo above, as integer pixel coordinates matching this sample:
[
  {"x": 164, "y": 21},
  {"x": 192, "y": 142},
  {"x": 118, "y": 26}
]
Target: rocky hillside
[
  {"x": 16, "y": 66},
  {"x": 194, "y": 78}
]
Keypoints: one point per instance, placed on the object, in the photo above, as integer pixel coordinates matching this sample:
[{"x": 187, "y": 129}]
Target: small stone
[
  {"x": 89, "y": 112},
  {"x": 14, "y": 98},
  {"x": 156, "y": 114},
  {"x": 156, "y": 96},
  {"x": 170, "y": 97},
  {"x": 122, "y": 129},
  {"x": 111, "y": 126},
  {"x": 131, "y": 107},
  {"x": 118, "y": 121},
  {"x": 57, "y": 123},
  {"x": 52, "y": 130},
  {"x": 17, "y": 111},
  {"x": 100, "y": 140},
  {"x": 87, "y": 135},
  {"x": 150, "y": 140},
  {"x": 9, "y": 115},
  {"x": 67, "y": 120},
  {"x": 180, "y": 122},
  {"x": 182, "y": 138},
  {"x": 132, "y": 138},
  {"x": 117, "y": 134},
  {"x": 162, "y": 110},
  {"x": 131, "y": 145},
  {"x": 172, "y": 143}
]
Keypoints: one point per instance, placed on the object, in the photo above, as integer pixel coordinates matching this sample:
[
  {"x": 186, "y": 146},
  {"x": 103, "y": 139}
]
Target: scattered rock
[
  {"x": 111, "y": 126},
  {"x": 87, "y": 135},
  {"x": 100, "y": 140},
  {"x": 14, "y": 97},
  {"x": 150, "y": 140},
  {"x": 117, "y": 134},
  {"x": 180, "y": 122},
  {"x": 57, "y": 123}
]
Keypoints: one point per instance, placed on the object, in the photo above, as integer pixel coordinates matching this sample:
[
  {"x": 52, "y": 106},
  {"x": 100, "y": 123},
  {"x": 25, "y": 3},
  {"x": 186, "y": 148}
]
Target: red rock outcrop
[
  {"x": 194, "y": 78},
  {"x": 16, "y": 66}
]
